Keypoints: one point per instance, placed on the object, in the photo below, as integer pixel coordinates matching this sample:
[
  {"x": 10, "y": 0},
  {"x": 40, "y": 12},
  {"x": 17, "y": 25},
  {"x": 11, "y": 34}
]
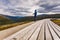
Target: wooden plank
[
  {"x": 22, "y": 32},
  {"x": 53, "y": 33},
  {"x": 41, "y": 35},
  {"x": 26, "y": 37},
  {"x": 56, "y": 26},
  {"x": 58, "y": 32},
  {"x": 48, "y": 35},
  {"x": 40, "y": 30}
]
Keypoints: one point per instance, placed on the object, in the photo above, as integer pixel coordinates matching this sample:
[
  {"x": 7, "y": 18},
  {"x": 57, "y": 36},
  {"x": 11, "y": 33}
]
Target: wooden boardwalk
[{"x": 40, "y": 30}]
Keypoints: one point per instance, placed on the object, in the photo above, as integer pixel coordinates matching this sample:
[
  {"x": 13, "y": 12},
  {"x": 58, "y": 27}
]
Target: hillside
[
  {"x": 48, "y": 16},
  {"x": 4, "y": 20}
]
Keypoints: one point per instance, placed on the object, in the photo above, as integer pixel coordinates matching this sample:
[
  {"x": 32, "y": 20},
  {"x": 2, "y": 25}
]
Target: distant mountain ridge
[
  {"x": 26, "y": 18},
  {"x": 11, "y": 17},
  {"x": 5, "y": 19}
]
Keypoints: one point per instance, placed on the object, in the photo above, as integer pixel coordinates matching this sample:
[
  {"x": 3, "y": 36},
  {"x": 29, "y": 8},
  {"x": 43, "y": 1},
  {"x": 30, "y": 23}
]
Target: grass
[
  {"x": 6, "y": 23},
  {"x": 56, "y": 21},
  {"x": 3, "y": 27}
]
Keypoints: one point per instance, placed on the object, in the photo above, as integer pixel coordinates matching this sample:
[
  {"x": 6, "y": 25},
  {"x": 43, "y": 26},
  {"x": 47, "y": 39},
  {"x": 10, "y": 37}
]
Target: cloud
[
  {"x": 56, "y": 8},
  {"x": 5, "y": 13},
  {"x": 26, "y": 7},
  {"x": 48, "y": 5},
  {"x": 18, "y": 7}
]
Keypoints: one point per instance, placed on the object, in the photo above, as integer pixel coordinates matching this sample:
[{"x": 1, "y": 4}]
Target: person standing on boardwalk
[{"x": 35, "y": 15}]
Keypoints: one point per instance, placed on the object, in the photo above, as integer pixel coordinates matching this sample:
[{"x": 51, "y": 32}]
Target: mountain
[
  {"x": 15, "y": 18},
  {"x": 11, "y": 17},
  {"x": 5, "y": 19},
  {"x": 48, "y": 16}
]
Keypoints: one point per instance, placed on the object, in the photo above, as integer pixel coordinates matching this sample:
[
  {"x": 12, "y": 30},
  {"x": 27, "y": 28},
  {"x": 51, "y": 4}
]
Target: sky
[{"x": 27, "y": 7}]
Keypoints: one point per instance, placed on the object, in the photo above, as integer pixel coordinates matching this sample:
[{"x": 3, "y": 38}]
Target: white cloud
[
  {"x": 14, "y": 4},
  {"x": 57, "y": 6},
  {"x": 46, "y": 13},
  {"x": 5, "y": 13},
  {"x": 19, "y": 7}
]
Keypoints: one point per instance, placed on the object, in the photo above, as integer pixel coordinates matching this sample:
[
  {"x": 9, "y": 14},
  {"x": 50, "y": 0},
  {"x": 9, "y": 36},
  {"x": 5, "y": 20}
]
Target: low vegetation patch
[
  {"x": 3, "y": 27},
  {"x": 56, "y": 21}
]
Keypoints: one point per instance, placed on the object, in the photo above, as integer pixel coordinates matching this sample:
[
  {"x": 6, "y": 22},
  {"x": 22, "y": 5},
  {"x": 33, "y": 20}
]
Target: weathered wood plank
[{"x": 40, "y": 30}]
